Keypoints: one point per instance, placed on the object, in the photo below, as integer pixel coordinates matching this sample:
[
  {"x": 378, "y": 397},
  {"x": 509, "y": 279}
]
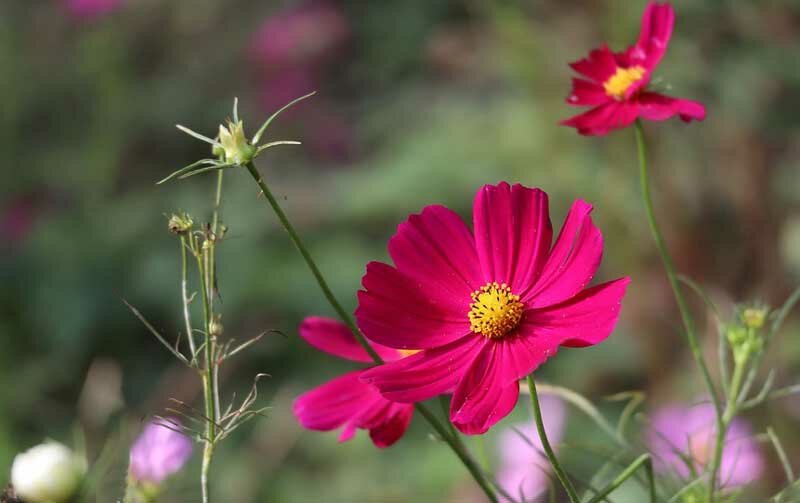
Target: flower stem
[
  {"x": 669, "y": 267},
  {"x": 208, "y": 453},
  {"x": 644, "y": 461},
  {"x": 548, "y": 450},
  {"x": 731, "y": 407},
  {"x": 185, "y": 301},
  {"x": 348, "y": 320}
]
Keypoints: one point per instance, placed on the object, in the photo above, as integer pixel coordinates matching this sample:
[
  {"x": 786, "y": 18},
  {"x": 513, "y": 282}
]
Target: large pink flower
[
  {"x": 346, "y": 400},
  {"x": 488, "y": 308},
  {"x": 617, "y": 81}
]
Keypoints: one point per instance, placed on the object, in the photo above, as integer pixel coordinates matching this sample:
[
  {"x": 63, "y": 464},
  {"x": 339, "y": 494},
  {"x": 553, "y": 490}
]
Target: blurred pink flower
[
  {"x": 678, "y": 431},
  {"x": 17, "y": 219},
  {"x": 304, "y": 35},
  {"x": 92, "y": 8},
  {"x": 158, "y": 452},
  {"x": 524, "y": 469}
]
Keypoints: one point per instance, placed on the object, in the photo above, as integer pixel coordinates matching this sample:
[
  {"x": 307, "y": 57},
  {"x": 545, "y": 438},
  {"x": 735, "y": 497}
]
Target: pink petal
[
  {"x": 599, "y": 66},
  {"x": 512, "y": 233},
  {"x": 587, "y": 93},
  {"x": 602, "y": 119},
  {"x": 390, "y": 430},
  {"x": 658, "y": 107},
  {"x": 657, "y": 23},
  {"x": 437, "y": 250},
  {"x": 426, "y": 374},
  {"x": 333, "y": 337},
  {"x": 397, "y": 311},
  {"x": 573, "y": 260},
  {"x": 483, "y": 396},
  {"x": 346, "y": 401},
  {"x": 584, "y": 320}
]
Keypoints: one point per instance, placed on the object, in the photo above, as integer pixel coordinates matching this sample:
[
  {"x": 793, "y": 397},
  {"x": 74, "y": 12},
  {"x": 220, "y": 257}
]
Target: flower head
[
  {"x": 524, "y": 469},
  {"x": 346, "y": 401},
  {"x": 616, "y": 84},
  {"x": 47, "y": 473},
  {"x": 681, "y": 435},
  {"x": 486, "y": 308},
  {"x": 158, "y": 453}
]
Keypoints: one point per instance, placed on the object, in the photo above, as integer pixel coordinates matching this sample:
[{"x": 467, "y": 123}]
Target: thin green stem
[
  {"x": 669, "y": 267},
  {"x": 559, "y": 471},
  {"x": 468, "y": 462},
  {"x": 348, "y": 320},
  {"x": 208, "y": 453},
  {"x": 185, "y": 301},
  {"x": 298, "y": 243},
  {"x": 643, "y": 461},
  {"x": 731, "y": 408}
]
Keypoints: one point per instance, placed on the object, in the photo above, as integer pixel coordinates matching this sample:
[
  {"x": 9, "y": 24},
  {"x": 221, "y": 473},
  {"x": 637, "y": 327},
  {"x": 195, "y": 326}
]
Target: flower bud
[
  {"x": 754, "y": 317},
  {"x": 47, "y": 473},
  {"x": 180, "y": 224},
  {"x": 234, "y": 143},
  {"x": 158, "y": 453},
  {"x": 215, "y": 328}
]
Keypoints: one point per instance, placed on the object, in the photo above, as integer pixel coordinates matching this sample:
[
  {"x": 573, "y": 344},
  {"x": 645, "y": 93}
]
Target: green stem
[
  {"x": 468, "y": 462},
  {"x": 208, "y": 453},
  {"x": 642, "y": 461},
  {"x": 348, "y": 320},
  {"x": 298, "y": 243},
  {"x": 731, "y": 408},
  {"x": 559, "y": 471},
  {"x": 669, "y": 267},
  {"x": 185, "y": 300}
]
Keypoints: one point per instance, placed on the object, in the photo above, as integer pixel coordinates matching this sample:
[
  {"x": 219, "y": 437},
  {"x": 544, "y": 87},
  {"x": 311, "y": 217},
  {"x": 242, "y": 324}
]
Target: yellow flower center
[
  {"x": 408, "y": 352},
  {"x": 700, "y": 448},
  {"x": 494, "y": 311},
  {"x": 619, "y": 83}
]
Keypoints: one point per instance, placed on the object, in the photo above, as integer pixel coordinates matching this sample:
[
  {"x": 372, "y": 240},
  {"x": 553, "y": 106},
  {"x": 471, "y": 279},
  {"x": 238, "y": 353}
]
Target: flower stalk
[{"x": 548, "y": 450}]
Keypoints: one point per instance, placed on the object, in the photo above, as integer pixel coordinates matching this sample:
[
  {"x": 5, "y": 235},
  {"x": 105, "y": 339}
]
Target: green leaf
[{"x": 272, "y": 117}]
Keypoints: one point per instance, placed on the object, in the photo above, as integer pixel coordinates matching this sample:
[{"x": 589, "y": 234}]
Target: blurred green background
[{"x": 419, "y": 102}]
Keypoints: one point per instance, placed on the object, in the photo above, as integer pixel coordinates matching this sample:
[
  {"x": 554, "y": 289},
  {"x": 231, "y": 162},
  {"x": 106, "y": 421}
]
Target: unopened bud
[
  {"x": 215, "y": 328},
  {"x": 180, "y": 224},
  {"x": 47, "y": 473},
  {"x": 754, "y": 317},
  {"x": 234, "y": 143}
]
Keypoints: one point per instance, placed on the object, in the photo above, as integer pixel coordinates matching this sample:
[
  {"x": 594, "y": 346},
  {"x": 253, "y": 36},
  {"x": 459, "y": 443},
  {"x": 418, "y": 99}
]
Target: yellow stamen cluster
[
  {"x": 619, "y": 83},
  {"x": 408, "y": 352},
  {"x": 494, "y": 310}
]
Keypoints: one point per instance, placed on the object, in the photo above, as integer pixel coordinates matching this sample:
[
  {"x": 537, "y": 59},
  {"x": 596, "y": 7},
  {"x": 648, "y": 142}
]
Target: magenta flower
[
  {"x": 488, "y": 308},
  {"x": 90, "y": 9},
  {"x": 617, "y": 85},
  {"x": 158, "y": 452},
  {"x": 679, "y": 435},
  {"x": 524, "y": 469},
  {"x": 346, "y": 400}
]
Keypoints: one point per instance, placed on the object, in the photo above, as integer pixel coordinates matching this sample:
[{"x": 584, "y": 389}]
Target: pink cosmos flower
[
  {"x": 617, "y": 85},
  {"x": 90, "y": 9},
  {"x": 488, "y": 308},
  {"x": 524, "y": 469},
  {"x": 680, "y": 434},
  {"x": 346, "y": 400},
  {"x": 158, "y": 453}
]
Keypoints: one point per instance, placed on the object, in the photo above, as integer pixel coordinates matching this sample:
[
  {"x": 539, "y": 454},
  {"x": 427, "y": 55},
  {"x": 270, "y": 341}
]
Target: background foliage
[{"x": 419, "y": 102}]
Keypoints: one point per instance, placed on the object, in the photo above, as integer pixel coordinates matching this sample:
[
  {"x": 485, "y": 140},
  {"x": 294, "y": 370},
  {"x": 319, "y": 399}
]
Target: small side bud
[
  {"x": 180, "y": 224},
  {"x": 754, "y": 317},
  {"x": 215, "y": 328}
]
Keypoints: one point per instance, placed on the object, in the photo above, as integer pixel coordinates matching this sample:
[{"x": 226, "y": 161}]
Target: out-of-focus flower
[
  {"x": 488, "y": 308},
  {"x": 346, "y": 401},
  {"x": 17, "y": 219},
  {"x": 158, "y": 452},
  {"x": 47, "y": 473},
  {"x": 304, "y": 35},
  {"x": 679, "y": 432},
  {"x": 90, "y": 9},
  {"x": 524, "y": 469},
  {"x": 617, "y": 85}
]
